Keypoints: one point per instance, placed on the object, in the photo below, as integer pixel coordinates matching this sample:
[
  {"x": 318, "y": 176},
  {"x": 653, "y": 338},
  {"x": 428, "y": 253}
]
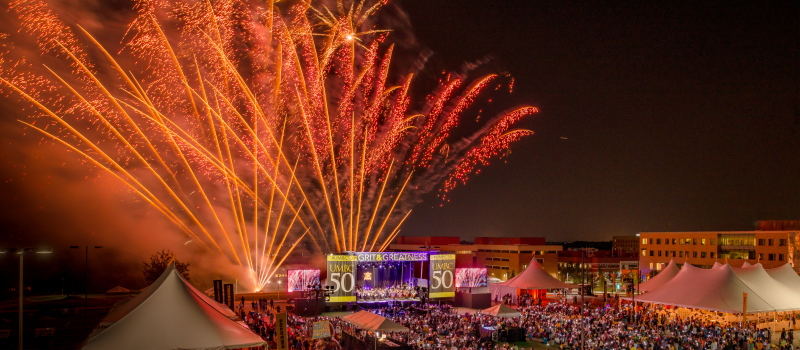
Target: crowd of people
[{"x": 562, "y": 324}]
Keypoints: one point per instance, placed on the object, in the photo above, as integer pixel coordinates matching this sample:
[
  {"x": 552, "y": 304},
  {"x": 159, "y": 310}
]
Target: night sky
[
  {"x": 654, "y": 116},
  {"x": 679, "y": 115}
]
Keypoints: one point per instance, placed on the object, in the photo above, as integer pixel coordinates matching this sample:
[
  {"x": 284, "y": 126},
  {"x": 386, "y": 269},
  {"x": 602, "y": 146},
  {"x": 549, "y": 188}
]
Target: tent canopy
[
  {"x": 118, "y": 290},
  {"x": 781, "y": 297},
  {"x": 501, "y": 310},
  {"x": 786, "y": 276},
  {"x": 373, "y": 322},
  {"x": 661, "y": 278},
  {"x": 171, "y": 314},
  {"x": 717, "y": 289},
  {"x": 535, "y": 277}
]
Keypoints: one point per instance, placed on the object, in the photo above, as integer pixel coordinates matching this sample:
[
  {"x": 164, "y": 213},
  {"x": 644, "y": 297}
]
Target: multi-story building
[
  {"x": 625, "y": 244},
  {"x": 503, "y": 257},
  {"x": 772, "y": 247}
]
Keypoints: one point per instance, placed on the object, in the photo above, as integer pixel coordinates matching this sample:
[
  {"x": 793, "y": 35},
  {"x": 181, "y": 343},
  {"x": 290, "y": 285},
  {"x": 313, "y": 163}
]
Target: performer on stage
[{"x": 400, "y": 292}]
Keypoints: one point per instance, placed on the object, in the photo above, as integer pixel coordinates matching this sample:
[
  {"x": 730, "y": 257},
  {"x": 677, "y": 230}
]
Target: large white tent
[
  {"x": 171, "y": 314},
  {"x": 373, "y": 322},
  {"x": 533, "y": 277},
  {"x": 716, "y": 289},
  {"x": 501, "y": 310},
  {"x": 781, "y": 297},
  {"x": 786, "y": 276},
  {"x": 660, "y": 279}
]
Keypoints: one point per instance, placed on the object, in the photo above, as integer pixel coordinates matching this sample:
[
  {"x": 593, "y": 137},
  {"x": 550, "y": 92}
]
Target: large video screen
[
  {"x": 470, "y": 277},
  {"x": 299, "y": 280}
]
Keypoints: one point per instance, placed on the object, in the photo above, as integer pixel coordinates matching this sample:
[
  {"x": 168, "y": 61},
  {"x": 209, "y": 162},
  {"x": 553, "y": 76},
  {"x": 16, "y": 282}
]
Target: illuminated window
[
  {"x": 703, "y": 241},
  {"x": 673, "y": 241},
  {"x": 644, "y": 252},
  {"x": 644, "y": 240},
  {"x": 712, "y": 242}
]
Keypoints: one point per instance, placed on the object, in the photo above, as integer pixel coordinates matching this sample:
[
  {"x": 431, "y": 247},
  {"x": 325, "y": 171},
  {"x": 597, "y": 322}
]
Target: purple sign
[{"x": 392, "y": 256}]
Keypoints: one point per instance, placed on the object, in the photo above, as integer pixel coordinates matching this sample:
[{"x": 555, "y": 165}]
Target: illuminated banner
[
  {"x": 218, "y": 291},
  {"x": 281, "y": 334},
  {"x": 299, "y": 280},
  {"x": 442, "y": 279},
  {"x": 342, "y": 276},
  {"x": 392, "y": 256},
  {"x": 471, "y": 277},
  {"x": 229, "y": 298}
]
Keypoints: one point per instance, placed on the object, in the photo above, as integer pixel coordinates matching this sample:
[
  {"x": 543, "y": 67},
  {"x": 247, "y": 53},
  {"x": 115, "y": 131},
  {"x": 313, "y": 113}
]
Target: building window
[
  {"x": 680, "y": 254},
  {"x": 782, "y": 242},
  {"x": 658, "y": 240},
  {"x": 694, "y": 254},
  {"x": 771, "y": 242},
  {"x": 761, "y": 241},
  {"x": 771, "y": 257},
  {"x": 712, "y": 242},
  {"x": 673, "y": 241},
  {"x": 644, "y": 240},
  {"x": 659, "y": 253},
  {"x": 703, "y": 255},
  {"x": 703, "y": 241},
  {"x": 673, "y": 253},
  {"x": 644, "y": 252},
  {"x": 651, "y": 266},
  {"x": 694, "y": 241},
  {"x": 666, "y": 241},
  {"x": 780, "y": 257},
  {"x": 712, "y": 255}
]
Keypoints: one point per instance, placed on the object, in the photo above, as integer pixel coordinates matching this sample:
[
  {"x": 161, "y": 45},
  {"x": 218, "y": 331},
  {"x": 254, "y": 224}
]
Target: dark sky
[{"x": 678, "y": 115}]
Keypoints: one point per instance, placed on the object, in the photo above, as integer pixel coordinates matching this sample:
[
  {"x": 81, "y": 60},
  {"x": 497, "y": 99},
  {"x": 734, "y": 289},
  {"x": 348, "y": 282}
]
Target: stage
[{"x": 373, "y": 279}]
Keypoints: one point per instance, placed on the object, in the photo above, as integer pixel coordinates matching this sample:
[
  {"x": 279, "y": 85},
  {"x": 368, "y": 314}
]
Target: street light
[
  {"x": 21, "y": 252},
  {"x": 86, "y": 287}
]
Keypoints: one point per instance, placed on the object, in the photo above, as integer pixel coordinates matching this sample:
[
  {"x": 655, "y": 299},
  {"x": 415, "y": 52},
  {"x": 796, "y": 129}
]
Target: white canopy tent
[
  {"x": 373, "y": 322},
  {"x": 780, "y": 296},
  {"x": 171, "y": 314},
  {"x": 716, "y": 289},
  {"x": 660, "y": 279},
  {"x": 501, "y": 310},
  {"x": 533, "y": 277},
  {"x": 786, "y": 276}
]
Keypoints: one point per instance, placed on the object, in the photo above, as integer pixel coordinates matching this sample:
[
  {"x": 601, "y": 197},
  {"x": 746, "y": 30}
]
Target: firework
[
  {"x": 299, "y": 280},
  {"x": 255, "y": 127},
  {"x": 470, "y": 277}
]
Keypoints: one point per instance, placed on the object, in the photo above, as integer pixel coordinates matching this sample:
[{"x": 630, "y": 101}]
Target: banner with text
[
  {"x": 281, "y": 333},
  {"x": 342, "y": 276},
  {"x": 322, "y": 329},
  {"x": 442, "y": 276}
]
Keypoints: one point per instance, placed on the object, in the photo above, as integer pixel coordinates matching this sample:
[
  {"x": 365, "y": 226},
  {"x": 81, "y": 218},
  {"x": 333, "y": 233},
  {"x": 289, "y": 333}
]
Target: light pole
[
  {"x": 86, "y": 287},
  {"x": 21, "y": 252}
]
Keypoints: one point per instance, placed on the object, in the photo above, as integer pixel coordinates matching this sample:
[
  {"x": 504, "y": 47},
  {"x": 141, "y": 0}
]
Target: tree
[{"x": 159, "y": 262}]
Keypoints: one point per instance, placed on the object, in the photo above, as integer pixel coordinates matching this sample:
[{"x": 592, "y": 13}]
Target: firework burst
[{"x": 255, "y": 127}]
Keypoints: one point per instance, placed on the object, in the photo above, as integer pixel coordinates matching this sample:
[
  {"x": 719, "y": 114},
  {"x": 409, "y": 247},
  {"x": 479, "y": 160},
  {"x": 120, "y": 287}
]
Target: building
[
  {"x": 596, "y": 261},
  {"x": 503, "y": 257},
  {"x": 625, "y": 244},
  {"x": 772, "y": 245}
]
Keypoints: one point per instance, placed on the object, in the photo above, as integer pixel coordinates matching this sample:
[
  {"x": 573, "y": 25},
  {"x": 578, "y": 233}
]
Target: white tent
[
  {"x": 171, "y": 314},
  {"x": 781, "y": 297},
  {"x": 118, "y": 290},
  {"x": 533, "y": 277},
  {"x": 660, "y": 279},
  {"x": 501, "y": 310},
  {"x": 717, "y": 289},
  {"x": 373, "y": 322},
  {"x": 786, "y": 276}
]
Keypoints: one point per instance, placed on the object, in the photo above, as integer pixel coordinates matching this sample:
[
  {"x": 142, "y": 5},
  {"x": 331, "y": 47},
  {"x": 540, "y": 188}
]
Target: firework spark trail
[{"x": 251, "y": 124}]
